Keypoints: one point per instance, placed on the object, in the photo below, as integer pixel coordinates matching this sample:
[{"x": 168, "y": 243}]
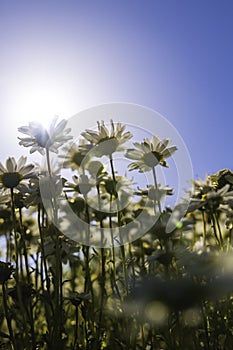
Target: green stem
[
  {"x": 156, "y": 187},
  {"x": 204, "y": 228},
  {"x": 31, "y": 317},
  {"x": 219, "y": 229},
  {"x": 43, "y": 250},
  {"x": 103, "y": 274},
  {"x": 206, "y": 327},
  {"x": 18, "y": 288},
  {"x": 122, "y": 247},
  {"x": 44, "y": 270},
  {"x": 76, "y": 329},
  {"x": 58, "y": 294},
  {"x": 215, "y": 230},
  {"x": 8, "y": 319}
]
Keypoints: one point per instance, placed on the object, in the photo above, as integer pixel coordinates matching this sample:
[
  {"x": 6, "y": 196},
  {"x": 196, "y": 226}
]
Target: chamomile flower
[
  {"x": 211, "y": 200},
  {"x": 39, "y": 138},
  {"x": 12, "y": 176},
  {"x": 81, "y": 184},
  {"x": 149, "y": 154},
  {"x": 107, "y": 141},
  {"x": 73, "y": 156}
]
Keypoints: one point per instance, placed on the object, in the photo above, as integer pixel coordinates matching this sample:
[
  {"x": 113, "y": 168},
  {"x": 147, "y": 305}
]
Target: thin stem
[
  {"x": 219, "y": 229},
  {"x": 76, "y": 329},
  {"x": 103, "y": 272},
  {"x": 206, "y": 327},
  {"x": 214, "y": 230},
  {"x": 204, "y": 228},
  {"x": 58, "y": 294},
  {"x": 119, "y": 226},
  {"x": 48, "y": 162},
  {"x": 31, "y": 317},
  {"x": 8, "y": 319},
  {"x": 156, "y": 187},
  {"x": 42, "y": 249},
  {"x": 24, "y": 247},
  {"x": 18, "y": 288},
  {"x": 15, "y": 235}
]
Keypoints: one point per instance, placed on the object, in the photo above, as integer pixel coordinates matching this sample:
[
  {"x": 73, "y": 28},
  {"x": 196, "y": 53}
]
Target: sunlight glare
[{"x": 41, "y": 104}]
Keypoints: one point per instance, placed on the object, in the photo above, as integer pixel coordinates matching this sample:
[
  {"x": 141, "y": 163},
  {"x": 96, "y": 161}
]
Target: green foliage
[{"x": 166, "y": 290}]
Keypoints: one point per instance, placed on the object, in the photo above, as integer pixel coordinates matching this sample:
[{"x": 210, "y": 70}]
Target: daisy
[
  {"x": 149, "y": 154},
  {"x": 81, "y": 184},
  {"x": 154, "y": 193},
  {"x": 74, "y": 157},
  {"x": 107, "y": 141},
  {"x": 13, "y": 174},
  {"x": 221, "y": 178},
  {"x": 211, "y": 200},
  {"x": 40, "y": 138}
]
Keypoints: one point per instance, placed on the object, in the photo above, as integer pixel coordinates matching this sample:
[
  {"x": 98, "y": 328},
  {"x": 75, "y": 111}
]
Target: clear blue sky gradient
[{"x": 175, "y": 57}]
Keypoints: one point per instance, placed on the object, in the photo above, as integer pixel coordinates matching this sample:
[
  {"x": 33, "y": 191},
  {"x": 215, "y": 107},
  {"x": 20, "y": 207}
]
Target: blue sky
[{"x": 175, "y": 57}]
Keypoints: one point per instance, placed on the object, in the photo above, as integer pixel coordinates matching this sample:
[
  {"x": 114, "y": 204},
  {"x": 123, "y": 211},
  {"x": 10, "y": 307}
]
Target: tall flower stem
[
  {"x": 76, "y": 346},
  {"x": 18, "y": 287},
  {"x": 156, "y": 187},
  {"x": 204, "y": 228},
  {"x": 8, "y": 319},
  {"x": 119, "y": 226},
  {"x": 219, "y": 229},
  {"x": 103, "y": 273},
  {"x": 215, "y": 230},
  {"x": 58, "y": 293},
  {"x": 44, "y": 269},
  {"x": 88, "y": 288},
  {"x": 31, "y": 316},
  {"x": 15, "y": 235},
  {"x": 42, "y": 249},
  {"x": 113, "y": 252}
]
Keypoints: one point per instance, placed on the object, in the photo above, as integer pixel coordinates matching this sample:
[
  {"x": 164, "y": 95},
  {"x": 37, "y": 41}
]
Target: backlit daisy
[
  {"x": 13, "y": 174},
  {"x": 149, "y": 154},
  {"x": 107, "y": 141},
  {"x": 40, "y": 138}
]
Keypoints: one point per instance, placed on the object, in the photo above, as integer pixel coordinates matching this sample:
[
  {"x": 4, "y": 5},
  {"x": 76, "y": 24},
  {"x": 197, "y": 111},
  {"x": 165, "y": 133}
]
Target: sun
[{"x": 41, "y": 102}]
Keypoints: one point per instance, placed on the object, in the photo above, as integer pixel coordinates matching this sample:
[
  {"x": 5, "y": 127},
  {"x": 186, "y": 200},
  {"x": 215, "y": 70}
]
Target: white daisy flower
[{"x": 40, "y": 138}]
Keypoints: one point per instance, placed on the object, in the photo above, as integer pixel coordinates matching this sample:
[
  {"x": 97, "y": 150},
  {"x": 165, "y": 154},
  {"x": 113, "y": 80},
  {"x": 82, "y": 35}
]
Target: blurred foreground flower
[
  {"x": 41, "y": 138},
  {"x": 149, "y": 154},
  {"x": 181, "y": 293}
]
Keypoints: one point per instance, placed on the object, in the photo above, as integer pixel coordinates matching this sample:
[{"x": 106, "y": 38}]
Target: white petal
[
  {"x": 134, "y": 154},
  {"x": 169, "y": 151},
  {"x": 2, "y": 168},
  {"x": 11, "y": 164},
  {"x": 60, "y": 127},
  {"x": 21, "y": 162}
]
